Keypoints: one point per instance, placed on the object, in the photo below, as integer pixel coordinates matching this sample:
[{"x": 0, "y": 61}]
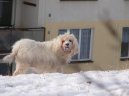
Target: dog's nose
[{"x": 67, "y": 44}]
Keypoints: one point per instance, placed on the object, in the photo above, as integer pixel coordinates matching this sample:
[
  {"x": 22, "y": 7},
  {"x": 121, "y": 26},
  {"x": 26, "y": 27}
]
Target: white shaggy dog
[{"x": 47, "y": 56}]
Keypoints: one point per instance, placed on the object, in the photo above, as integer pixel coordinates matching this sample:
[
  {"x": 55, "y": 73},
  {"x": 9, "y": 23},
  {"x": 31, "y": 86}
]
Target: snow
[{"x": 92, "y": 83}]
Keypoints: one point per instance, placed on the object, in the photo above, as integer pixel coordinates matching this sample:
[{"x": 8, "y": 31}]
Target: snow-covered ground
[{"x": 93, "y": 83}]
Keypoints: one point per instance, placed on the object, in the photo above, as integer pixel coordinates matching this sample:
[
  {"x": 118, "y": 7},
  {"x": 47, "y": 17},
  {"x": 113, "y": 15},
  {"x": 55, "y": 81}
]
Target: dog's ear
[
  {"x": 75, "y": 45},
  {"x": 76, "y": 48}
]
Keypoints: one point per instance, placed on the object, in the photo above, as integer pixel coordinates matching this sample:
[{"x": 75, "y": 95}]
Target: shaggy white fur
[{"x": 49, "y": 56}]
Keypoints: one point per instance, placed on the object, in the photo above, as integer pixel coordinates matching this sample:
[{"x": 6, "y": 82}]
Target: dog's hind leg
[{"x": 21, "y": 69}]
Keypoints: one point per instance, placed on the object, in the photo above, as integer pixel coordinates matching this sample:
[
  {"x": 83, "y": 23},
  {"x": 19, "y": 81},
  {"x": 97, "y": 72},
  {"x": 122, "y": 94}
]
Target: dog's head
[
  {"x": 68, "y": 44},
  {"x": 65, "y": 46}
]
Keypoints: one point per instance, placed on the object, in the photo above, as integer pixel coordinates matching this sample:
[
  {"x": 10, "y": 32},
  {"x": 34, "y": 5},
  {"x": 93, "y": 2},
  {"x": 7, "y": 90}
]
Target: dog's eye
[
  {"x": 63, "y": 41},
  {"x": 70, "y": 40}
]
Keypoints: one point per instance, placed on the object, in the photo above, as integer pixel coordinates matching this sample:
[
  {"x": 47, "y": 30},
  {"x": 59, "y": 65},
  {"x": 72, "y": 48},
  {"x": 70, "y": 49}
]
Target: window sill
[
  {"x": 81, "y": 61},
  {"x": 124, "y": 58}
]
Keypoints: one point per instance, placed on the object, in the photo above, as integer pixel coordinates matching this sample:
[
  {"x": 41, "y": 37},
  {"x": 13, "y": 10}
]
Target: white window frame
[{"x": 91, "y": 44}]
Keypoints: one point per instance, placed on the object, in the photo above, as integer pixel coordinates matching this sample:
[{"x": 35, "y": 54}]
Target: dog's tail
[{"x": 11, "y": 57}]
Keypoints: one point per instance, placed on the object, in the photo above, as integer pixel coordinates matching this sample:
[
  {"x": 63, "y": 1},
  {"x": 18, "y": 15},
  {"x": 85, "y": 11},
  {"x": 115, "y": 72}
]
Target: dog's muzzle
[{"x": 67, "y": 46}]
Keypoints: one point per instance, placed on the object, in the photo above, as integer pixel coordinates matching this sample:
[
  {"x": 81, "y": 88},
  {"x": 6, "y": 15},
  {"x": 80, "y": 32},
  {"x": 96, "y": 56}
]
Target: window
[
  {"x": 84, "y": 37},
  {"x": 125, "y": 43},
  {"x": 5, "y": 12}
]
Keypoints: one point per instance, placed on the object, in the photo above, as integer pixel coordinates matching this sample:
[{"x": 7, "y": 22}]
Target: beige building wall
[{"x": 104, "y": 16}]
